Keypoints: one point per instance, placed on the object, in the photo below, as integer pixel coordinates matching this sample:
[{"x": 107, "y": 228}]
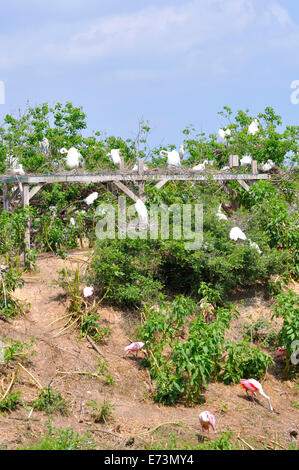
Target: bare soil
[{"x": 59, "y": 358}]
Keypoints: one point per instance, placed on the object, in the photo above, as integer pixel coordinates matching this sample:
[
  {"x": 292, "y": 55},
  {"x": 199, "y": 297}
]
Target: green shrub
[
  {"x": 128, "y": 269},
  {"x": 17, "y": 350},
  {"x": 244, "y": 361},
  {"x": 10, "y": 402},
  {"x": 62, "y": 439},
  {"x": 102, "y": 413},
  {"x": 51, "y": 402},
  {"x": 287, "y": 307}
]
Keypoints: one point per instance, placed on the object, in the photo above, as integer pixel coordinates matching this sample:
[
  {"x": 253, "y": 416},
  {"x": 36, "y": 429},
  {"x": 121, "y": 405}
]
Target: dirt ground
[{"x": 59, "y": 358}]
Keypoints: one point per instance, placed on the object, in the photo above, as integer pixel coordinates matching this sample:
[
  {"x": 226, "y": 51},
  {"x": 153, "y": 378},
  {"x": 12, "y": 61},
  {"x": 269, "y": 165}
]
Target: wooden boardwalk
[{"x": 27, "y": 186}]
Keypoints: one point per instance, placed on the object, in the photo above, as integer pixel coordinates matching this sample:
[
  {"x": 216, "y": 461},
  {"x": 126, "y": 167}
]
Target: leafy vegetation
[
  {"x": 287, "y": 307},
  {"x": 17, "y": 350},
  {"x": 62, "y": 439},
  {"x": 185, "y": 352},
  {"x": 81, "y": 311},
  {"x": 160, "y": 281},
  {"x": 51, "y": 402},
  {"x": 102, "y": 413},
  {"x": 222, "y": 443},
  {"x": 10, "y": 402}
]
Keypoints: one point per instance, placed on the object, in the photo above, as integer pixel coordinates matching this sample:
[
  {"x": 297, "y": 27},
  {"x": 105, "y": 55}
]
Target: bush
[
  {"x": 50, "y": 401},
  {"x": 102, "y": 413},
  {"x": 10, "y": 402},
  {"x": 286, "y": 307},
  {"x": 127, "y": 268},
  {"x": 62, "y": 439},
  {"x": 244, "y": 361}
]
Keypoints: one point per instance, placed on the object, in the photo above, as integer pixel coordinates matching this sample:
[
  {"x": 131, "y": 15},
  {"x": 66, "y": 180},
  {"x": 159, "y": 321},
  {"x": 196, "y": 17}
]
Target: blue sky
[{"x": 169, "y": 61}]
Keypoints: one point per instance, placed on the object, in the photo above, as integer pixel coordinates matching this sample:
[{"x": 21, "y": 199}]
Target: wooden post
[
  {"x": 254, "y": 167},
  {"x": 26, "y": 202},
  {"x": 5, "y": 198},
  {"x": 244, "y": 185},
  {"x": 141, "y": 183},
  {"x": 233, "y": 161},
  {"x": 122, "y": 164}
]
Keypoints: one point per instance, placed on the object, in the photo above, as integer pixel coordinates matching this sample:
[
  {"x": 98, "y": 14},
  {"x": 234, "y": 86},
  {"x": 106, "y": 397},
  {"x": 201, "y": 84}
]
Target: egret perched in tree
[
  {"x": 246, "y": 160},
  {"x": 254, "y": 127},
  {"x": 220, "y": 214},
  {"x": 18, "y": 170},
  {"x": 267, "y": 166},
  {"x": 73, "y": 157},
  {"x": 72, "y": 221},
  {"x": 223, "y": 135},
  {"x": 135, "y": 167},
  {"x": 91, "y": 198},
  {"x": 200, "y": 166},
  {"x": 236, "y": 233},
  {"x": 173, "y": 157},
  {"x": 206, "y": 420},
  {"x": 115, "y": 155},
  {"x": 141, "y": 211},
  {"x": 181, "y": 152},
  {"x": 45, "y": 145},
  {"x": 134, "y": 347},
  {"x": 255, "y": 246},
  {"x": 252, "y": 385}
]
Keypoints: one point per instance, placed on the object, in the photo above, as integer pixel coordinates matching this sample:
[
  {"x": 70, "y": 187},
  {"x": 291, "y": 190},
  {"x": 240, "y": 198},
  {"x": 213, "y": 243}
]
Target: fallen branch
[
  {"x": 25, "y": 418},
  {"x": 66, "y": 327},
  {"x": 29, "y": 373},
  {"x": 95, "y": 347},
  {"x": 246, "y": 443},
  {"x": 60, "y": 372},
  {"x": 11, "y": 383},
  {"x": 4, "y": 318},
  {"x": 273, "y": 442}
]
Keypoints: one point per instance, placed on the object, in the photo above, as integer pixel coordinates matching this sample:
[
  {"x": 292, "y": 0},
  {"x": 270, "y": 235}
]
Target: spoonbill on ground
[
  {"x": 206, "y": 420},
  {"x": 252, "y": 386}
]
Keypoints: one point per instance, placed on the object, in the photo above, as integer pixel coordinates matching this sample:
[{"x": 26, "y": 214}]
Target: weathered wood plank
[
  {"x": 13, "y": 196},
  {"x": 141, "y": 183},
  {"x": 233, "y": 161},
  {"x": 244, "y": 185},
  {"x": 126, "y": 190},
  {"x": 134, "y": 176},
  {"x": 5, "y": 198},
  {"x": 161, "y": 183},
  {"x": 254, "y": 167},
  {"x": 35, "y": 190},
  {"x": 26, "y": 202}
]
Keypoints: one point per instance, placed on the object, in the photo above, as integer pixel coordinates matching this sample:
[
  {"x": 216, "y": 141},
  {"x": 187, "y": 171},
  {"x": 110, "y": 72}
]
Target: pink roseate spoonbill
[
  {"x": 206, "y": 420},
  {"x": 252, "y": 385},
  {"x": 280, "y": 352},
  {"x": 227, "y": 207},
  {"x": 88, "y": 292},
  {"x": 134, "y": 347}
]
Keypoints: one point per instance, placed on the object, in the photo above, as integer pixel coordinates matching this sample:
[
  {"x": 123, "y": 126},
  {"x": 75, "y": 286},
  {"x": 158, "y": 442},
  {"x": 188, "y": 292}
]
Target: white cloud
[
  {"x": 280, "y": 14},
  {"x": 195, "y": 37}
]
